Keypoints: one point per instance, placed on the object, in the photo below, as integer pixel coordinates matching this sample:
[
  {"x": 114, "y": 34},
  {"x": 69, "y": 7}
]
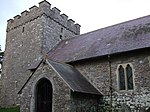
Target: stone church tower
[
  {"x": 45, "y": 69},
  {"x": 29, "y": 37}
]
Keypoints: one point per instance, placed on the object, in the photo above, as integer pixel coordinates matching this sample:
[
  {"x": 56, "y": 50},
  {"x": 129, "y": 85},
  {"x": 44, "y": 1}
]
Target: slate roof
[
  {"x": 127, "y": 36},
  {"x": 73, "y": 78},
  {"x": 34, "y": 65}
]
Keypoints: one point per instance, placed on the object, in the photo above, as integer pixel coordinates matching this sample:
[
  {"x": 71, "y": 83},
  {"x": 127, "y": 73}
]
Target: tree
[{"x": 1, "y": 60}]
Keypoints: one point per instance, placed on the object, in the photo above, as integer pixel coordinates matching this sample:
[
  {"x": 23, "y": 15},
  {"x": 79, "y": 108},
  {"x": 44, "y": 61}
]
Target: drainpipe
[{"x": 110, "y": 80}]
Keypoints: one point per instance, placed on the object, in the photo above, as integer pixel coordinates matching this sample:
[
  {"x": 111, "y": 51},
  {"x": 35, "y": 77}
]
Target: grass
[{"x": 13, "y": 109}]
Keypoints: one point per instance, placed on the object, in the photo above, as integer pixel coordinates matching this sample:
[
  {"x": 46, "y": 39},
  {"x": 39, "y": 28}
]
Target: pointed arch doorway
[{"x": 43, "y": 96}]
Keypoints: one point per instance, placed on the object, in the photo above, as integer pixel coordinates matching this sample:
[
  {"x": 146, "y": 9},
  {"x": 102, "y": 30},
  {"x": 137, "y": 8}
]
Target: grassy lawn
[{"x": 14, "y": 109}]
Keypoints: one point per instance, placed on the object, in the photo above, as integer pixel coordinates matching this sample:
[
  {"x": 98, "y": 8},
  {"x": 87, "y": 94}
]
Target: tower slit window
[
  {"x": 61, "y": 30},
  {"x": 22, "y": 29},
  {"x": 60, "y": 37},
  {"x": 61, "y": 34}
]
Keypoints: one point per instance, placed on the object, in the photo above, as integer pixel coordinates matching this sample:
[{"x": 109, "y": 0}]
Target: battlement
[{"x": 43, "y": 9}]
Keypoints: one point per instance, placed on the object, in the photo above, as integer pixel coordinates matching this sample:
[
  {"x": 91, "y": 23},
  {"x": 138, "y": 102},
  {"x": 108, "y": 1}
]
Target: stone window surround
[{"x": 124, "y": 65}]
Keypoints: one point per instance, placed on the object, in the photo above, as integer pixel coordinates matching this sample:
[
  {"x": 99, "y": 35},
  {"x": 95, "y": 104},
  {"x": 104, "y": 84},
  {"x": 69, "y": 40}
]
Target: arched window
[
  {"x": 125, "y": 77},
  {"x": 121, "y": 78},
  {"x": 129, "y": 77}
]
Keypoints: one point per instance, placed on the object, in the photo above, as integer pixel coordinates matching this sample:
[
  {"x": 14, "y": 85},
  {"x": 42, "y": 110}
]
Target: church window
[
  {"x": 129, "y": 77},
  {"x": 121, "y": 78},
  {"x": 125, "y": 77}
]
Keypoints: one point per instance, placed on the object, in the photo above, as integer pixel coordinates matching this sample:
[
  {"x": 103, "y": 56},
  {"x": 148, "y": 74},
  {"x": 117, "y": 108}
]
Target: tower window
[
  {"x": 125, "y": 77},
  {"x": 62, "y": 30},
  {"x": 22, "y": 29},
  {"x": 60, "y": 37}
]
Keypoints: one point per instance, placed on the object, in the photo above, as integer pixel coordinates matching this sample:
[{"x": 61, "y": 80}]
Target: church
[{"x": 49, "y": 67}]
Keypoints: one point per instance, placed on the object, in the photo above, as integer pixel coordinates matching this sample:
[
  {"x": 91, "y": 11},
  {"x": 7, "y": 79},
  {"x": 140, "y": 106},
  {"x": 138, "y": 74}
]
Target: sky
[{"x": 90, "y": 14}]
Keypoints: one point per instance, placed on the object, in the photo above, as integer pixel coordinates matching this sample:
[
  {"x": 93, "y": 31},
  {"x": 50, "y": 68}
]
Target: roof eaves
[{"x": 98, "y": 56}]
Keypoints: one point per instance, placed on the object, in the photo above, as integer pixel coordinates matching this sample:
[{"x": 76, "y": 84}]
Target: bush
[{"x": 13, "y": 109}]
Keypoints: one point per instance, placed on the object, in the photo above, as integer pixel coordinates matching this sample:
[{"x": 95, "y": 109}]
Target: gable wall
[
  {"x": 61, "y": 92},
  {"x": 97, "y": 72}
]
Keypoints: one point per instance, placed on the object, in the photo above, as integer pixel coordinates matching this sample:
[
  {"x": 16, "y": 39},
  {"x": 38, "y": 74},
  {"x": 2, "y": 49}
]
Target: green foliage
[{"x": 13, "y": 109}]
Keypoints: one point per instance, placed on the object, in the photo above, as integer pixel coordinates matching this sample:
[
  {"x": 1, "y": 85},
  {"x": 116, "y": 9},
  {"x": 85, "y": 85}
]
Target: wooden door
[{"x": 44, "y": 96}]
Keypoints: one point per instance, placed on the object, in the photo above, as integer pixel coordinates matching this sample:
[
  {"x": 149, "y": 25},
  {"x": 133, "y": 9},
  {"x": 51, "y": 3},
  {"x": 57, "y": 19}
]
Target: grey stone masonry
[
  {"x": 43, "y": 9},
  {"x": 61, "y": 92},
  {"x": 29, "y": 37},
  {"x": 98, "y": 72}
]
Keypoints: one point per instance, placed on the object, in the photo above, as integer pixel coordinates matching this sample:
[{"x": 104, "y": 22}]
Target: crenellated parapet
[{"x": 43, "y": 9}]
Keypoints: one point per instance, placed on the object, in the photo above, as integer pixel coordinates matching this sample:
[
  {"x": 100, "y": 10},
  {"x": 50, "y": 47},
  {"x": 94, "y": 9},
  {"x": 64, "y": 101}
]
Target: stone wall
[
  {"x": 64, "y": 99},
  {"x": 29, "y": 37},
  {"x": 22, "y": 49},
  {"x": 81, "y": 102},
  {"x": 97, "y": 72},
  {"x": 53, "y": 33},
  {"x": 61, "y": 92}
]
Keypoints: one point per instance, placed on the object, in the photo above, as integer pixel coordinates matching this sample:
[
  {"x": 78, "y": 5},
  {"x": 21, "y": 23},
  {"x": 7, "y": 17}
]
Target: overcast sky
[{"x": 90, "y": 14}]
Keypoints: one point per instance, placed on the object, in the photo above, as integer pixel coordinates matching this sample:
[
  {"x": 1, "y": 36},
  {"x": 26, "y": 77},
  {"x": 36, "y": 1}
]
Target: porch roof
[{"x": 73, "y": 78}]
